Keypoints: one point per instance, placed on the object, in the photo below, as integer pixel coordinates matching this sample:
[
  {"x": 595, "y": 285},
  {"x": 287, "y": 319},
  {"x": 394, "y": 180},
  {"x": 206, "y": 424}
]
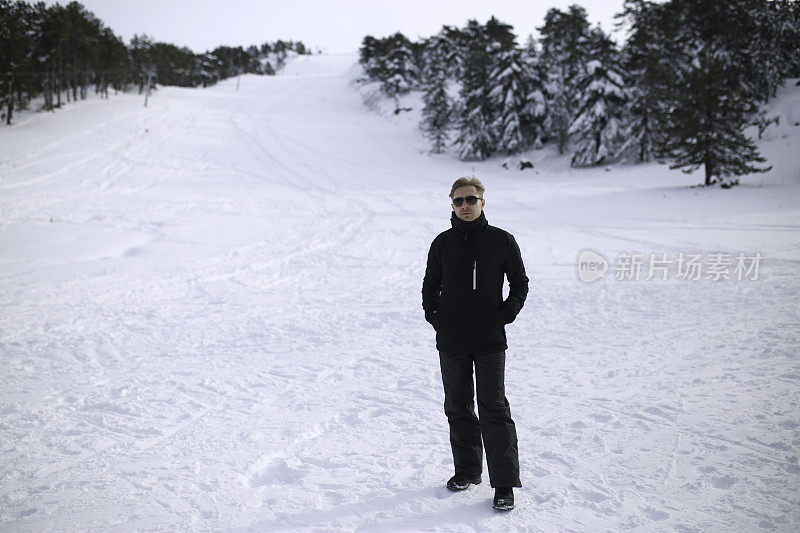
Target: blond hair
[{"x": 467, "y": 181}]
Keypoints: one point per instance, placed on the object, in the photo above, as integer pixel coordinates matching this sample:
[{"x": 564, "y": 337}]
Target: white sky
[{"x": 321, "y": 24}]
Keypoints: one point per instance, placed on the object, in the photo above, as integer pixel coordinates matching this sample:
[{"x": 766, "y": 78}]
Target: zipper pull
[{"x": 474, "y": 274}]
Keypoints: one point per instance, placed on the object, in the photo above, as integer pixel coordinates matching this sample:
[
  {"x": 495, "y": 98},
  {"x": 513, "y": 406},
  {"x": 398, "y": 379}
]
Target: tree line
[
  {"x": 59, "y": 52},
  {"x": 691, "y": 77}
]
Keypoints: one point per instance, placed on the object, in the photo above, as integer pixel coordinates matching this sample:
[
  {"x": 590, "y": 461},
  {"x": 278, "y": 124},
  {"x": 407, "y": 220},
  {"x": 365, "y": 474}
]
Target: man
[{"x": 462, "y": 295}]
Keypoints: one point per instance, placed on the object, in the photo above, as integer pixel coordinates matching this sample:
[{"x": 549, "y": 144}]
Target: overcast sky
[{"x": 333, "y": 26}]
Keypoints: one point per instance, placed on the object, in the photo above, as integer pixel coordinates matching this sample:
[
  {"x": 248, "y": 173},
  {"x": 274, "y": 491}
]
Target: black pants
[{"x": 493, "y": 422}]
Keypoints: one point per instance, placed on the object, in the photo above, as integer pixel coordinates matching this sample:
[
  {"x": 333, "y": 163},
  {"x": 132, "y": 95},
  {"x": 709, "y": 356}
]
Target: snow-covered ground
[{"x": 211, "y": 321}]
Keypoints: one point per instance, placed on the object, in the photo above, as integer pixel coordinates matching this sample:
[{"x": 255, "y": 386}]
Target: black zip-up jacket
[{"x": 462, "y": 293}]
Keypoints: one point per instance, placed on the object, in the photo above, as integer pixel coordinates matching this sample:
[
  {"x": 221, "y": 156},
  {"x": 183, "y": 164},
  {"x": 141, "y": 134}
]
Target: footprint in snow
[
  {"x": 723, "y": 482},
  {"x": 655, "y": 514}
]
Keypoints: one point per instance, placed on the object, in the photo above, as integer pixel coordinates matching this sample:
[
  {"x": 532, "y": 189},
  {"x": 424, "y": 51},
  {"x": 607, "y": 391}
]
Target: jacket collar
[{"x": 468, "y": 227}]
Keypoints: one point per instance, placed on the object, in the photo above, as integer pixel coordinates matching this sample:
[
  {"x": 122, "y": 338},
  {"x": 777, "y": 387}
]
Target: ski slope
[{"x": 211, "y": 321}]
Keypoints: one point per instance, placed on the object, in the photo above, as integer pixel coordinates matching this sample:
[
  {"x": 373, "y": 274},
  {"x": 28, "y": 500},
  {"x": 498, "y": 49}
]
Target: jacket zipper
[{"x": 474, "y": 274}]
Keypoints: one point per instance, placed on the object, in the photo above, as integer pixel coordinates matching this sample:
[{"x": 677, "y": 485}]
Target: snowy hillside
[{"x": 211, "y": 321}]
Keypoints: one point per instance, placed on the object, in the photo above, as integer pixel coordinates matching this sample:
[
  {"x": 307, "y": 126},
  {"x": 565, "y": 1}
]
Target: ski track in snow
[{"x": 211, "y": 321}]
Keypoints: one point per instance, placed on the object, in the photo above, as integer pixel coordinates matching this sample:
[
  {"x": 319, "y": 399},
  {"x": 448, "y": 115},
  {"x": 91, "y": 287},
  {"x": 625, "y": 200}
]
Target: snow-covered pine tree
[
  {"x": 280, "y": 59},
  {"x": 534, "y": 109},
  {"x": 508, "y": 96},
  {"x": 598, "y": 126},
  {"x": 706, "y": 126},
  {"x": 787, "y": 22},
  {"x": 564, "y": 39},
  {"x": 141, "y": 60},
  {"x": 437, "y": 113},
  {"x": 475, "y": 110},
  {"x": 209, "y": 69},
  {"x": 16, "y": 47},
  {"x": 455, "y": 57},
  {"x": 646, "y": 58},
  {"x": 372, "y": 57},
  {"x": 400, "y": 67},
  {"x": 392, "y": 61},
  {"x": 710, "y": 96},
  {"x": 769, "y": 42},
  {"x": 476, "y": 140}
]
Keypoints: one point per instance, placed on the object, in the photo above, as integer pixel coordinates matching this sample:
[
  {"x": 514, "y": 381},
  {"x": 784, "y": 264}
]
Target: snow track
[{"x": 211, "y": 321}]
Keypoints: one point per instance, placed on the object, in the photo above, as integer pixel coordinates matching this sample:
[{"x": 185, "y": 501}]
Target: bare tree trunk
[
  {"x": 597, "y": 140},
  {"x": 44, "y": 92},
  {"x": 74, "y": 84},
  {"x": 57, "y": 78},
  {"x": 10, "y": 99},
  {"x": 48, "y": 93}
]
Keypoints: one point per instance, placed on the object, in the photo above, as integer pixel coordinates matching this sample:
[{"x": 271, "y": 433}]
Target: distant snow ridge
[{"x": 319, "y": 65}]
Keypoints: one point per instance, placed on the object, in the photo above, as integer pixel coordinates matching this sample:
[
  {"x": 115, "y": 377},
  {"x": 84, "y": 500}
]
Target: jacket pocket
[{"x": 500, "y": 317}]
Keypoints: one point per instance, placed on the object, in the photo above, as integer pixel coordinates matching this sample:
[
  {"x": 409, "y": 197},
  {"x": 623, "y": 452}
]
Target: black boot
[
  {"x": 504, "y": 498},
  {"x": 462, "y": 481}
]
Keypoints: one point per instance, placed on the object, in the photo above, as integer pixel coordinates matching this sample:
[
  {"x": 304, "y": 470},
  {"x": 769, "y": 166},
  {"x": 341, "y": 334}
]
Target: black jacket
[{"x": 462, "y": 293}]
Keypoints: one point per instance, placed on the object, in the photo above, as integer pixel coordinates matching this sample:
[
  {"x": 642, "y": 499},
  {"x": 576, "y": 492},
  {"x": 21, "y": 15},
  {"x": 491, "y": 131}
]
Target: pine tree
[
  {"x": 477, "y": 114},
  {"x": 400, "y": 68},
  {"x": 787, "y": 27},
  {"x": 14, "y": 46},
  {"x": 476, "y": 139},
  {"x": 113, "y": 61},
  {"x": 534, "y": 109},
  {"x": 770, "y": 43},
  {"x": 140, "y": 55},
  {"x": 564, "y": 41},
  {"x": 710, "y": 97},
  {"x": 455, "y": 56},
  {"x": 599, "y": 123},
  {"x": 646, "y": 59},
  {"x": 438, "y": 111},
  {"x": 508, "y": 97},
  {"x": 706, "y": 127},
  {"x": 392, "y": 61},
  {"x": 209, "y": 67}
]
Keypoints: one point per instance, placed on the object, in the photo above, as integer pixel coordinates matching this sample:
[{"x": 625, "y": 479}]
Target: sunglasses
[{"x": 471, "y": 200}]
